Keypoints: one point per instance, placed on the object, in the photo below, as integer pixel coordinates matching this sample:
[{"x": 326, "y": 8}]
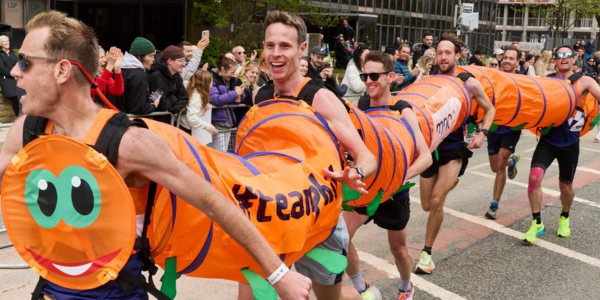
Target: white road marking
[
  {"x": 529, "y": 150},
  {"x": 589, "y": 149},
  {"x": 392, "y": 272},
  {"x": 518, "y": 235},
  {"x": 544, "y": 190},
  {"x": 583, "y": 169}
]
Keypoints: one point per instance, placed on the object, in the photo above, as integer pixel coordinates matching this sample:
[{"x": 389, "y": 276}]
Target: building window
[
  {"x": 515, "y": 16},
  {"x": 583, "y": 23}
]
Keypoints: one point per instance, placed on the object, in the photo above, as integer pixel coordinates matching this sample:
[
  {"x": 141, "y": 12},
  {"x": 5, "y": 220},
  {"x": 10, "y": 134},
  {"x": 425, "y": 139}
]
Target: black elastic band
[
  {"x": 37, "y": 292},
  {"x": 140, "y": 283}
]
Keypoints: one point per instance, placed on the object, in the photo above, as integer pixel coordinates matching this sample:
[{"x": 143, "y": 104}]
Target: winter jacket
[
  {"x": 400, "y": 67},
  {"x": 588, "y": 70},
  {"x": 589, "y": 48},
  {"x": 223, "y": 93},
  {"x": 7, "y": 82},
  {"x": 418, "y": 52},
  {"x": 174, "y": 97},
  {"x": 192, "y": 118},
  {"x": 192, "y": 65},
  {"x": 109, "y": 86},
  {"x": 135, "y": 98},
  {"x": 352, "y": 79}
]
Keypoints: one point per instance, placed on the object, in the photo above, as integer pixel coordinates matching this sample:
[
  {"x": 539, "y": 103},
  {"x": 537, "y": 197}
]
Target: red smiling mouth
[{"x": 79, "y": 269}]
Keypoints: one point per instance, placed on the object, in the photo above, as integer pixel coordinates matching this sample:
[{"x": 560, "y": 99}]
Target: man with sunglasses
[
  {"x": 560, "y": 143},
  {"x": 57, "y": 56},
  {"x": 501, "y": 143},
  {"x": 239, "y": 55},
  {"x": 452, "y": 154},
  {"x": 392, "y": 215},
  {"x": 284, "y": 45}
]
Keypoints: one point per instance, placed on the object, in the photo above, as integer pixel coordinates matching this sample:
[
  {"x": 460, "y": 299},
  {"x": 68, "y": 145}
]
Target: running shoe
[
  {"x": 564, "y": 229},
  {"x": 491, "y": 213},
  {"x": 534, "y": 231},
  {"x": 406, "y": 295},
  {"x": 512, "y": 171},
  {"x": 372, "y": 293},
  {"x": 425, "y": 265}
]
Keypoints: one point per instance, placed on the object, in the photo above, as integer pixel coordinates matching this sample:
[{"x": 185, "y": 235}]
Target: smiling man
[
  {"x": 284, "y": 45},
  {"x": 57, "y": 54},
  {"x": 453, "y": 153},
  {"x": 560, "y": 143},
  {"x": 502, "y": 143},
  {"x": 393, "y": 215}
]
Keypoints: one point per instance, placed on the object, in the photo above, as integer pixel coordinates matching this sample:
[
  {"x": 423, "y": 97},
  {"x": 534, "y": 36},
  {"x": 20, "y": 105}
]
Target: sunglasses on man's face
[
  {"x": 564, "y": 55},
  {"x": 241, "y": 52},
  {"x": 373, "y": 76},
  {"x": 22, "y": 58}
]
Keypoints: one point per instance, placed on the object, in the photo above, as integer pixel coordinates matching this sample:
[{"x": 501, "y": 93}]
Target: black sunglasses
[
  {"x": 494, "y": 65},
  {"x": 24, "y": 57},
  {"x": 373, "y": 76},
  {"x": 242, "y": 52}
]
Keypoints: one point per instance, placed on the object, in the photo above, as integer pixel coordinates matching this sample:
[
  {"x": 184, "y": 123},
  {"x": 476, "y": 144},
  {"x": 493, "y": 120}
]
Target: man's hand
[
  {"x": 203, "y": 43},
  {"x": 399, "y": 78},
  {"x": 415, "y": 71},
  {"x": 326, "y": 73},
  {"x": 293, "y": 286},
  {"x": 477, "y": 141},
  {"x": 253, "y": 55},
  {"x": 349, "y": 177},
  {"x": 205, "y": 67}
]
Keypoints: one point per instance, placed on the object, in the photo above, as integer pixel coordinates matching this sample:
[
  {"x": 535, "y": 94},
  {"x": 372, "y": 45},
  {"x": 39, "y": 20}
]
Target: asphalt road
[{"x": 475, "y": 258}]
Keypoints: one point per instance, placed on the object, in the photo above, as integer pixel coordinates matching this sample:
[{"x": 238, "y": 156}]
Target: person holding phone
[
  {"x": 193, "y": 55},
  {"x": 401, "y": 67},
  {"x": 165, "y": 75}
]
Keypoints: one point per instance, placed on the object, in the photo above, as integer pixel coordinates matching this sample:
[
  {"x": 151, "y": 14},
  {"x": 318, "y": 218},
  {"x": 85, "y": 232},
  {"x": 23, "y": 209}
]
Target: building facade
[
  {"x": 379, "y": 22},
  {"x": 116, "y": 22},
  {"x": 515, "y": 22}
]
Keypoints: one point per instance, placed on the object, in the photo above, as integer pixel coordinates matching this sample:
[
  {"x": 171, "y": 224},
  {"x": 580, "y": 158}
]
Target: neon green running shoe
[
  {"x": 564, "y": 229},
  {"x": 372, "y": 293},
  {"x": 425, "y": 265},
  {"x": 512, "y": 171},
  {"x": 534, "y": 231}
]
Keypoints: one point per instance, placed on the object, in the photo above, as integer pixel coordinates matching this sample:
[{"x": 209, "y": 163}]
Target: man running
[
  {"x": 437, "y": 181},
  {"x": 55, "y": 56},
  {"x": 502, "y": 143},
  {"x": 560, "y": 143},
  {"x": 284, "y": 45},
  {"x": 378, "y": 74}
]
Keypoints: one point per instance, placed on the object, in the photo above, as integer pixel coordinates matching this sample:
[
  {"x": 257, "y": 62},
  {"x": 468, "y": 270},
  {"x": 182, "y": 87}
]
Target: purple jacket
[{"x": 221, "y": 95}]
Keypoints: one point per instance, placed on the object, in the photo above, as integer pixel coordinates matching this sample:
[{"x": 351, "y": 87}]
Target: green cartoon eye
[
  {"x": 81, "y": 195},
  {"x": 42, "y": 198}
]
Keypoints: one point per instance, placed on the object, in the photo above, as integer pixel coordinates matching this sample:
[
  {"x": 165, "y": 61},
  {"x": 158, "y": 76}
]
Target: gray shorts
[{"x": 338, "y": 243}]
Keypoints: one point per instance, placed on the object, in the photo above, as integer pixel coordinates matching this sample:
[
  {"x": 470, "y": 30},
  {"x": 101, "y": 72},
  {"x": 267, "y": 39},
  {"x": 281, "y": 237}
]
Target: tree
[
  {"x": 558, "y": 15},
  {"x": 238, "y": 22}
]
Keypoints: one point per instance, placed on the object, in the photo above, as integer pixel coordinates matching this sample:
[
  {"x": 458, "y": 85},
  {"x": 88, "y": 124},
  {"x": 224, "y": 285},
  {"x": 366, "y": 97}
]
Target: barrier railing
[{"x": 156, "y": 114}]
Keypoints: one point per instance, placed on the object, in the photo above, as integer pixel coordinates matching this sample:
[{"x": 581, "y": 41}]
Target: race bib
[{"x": 444, "y": 108}]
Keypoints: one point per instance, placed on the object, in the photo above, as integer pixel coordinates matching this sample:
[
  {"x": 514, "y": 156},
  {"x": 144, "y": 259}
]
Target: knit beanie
[
  {"x": 172, "y": 52},
  {"x": 141, "y": 46}
]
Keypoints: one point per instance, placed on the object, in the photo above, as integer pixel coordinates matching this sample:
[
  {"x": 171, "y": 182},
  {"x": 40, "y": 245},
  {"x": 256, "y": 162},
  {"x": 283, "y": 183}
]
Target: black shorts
[
  {"x": 506, "y": 141},
  {"x": 567, "y": 158},
  {"x": 391, "y": 215},
  {"x": 445, "y": 156}
]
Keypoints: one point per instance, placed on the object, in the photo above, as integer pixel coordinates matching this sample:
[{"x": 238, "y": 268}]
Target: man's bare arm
[
  {"x": 143, "y": 152},
  {"x": 330, "y": 107},
  {"x": 489, "y": 111},
  {"x": 591, "y": 86},
  {"x": 12, "y": 144}
]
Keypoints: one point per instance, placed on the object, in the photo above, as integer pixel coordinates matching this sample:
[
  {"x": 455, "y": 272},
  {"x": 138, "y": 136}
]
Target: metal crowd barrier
[{"x": 156, "y": 114}]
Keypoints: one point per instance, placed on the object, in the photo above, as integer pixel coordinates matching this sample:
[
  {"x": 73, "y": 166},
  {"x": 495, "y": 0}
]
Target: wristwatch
[
  {"x": 485, "y": 132},
  {"x": 360, "y": 172}
]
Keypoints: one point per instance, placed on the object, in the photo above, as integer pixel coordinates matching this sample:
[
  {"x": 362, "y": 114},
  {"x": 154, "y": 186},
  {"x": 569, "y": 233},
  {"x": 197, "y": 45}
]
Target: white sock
[
  {"x": 359, "y": 282},
  {"x": 404, "y": 285}
]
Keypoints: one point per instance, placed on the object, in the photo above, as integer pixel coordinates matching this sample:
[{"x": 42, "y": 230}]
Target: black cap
[{"x": 318, "y": 50}]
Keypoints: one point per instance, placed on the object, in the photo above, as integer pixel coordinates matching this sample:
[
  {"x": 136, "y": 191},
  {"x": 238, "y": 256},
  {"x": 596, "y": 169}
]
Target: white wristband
[{"x": 278, "y": 274}]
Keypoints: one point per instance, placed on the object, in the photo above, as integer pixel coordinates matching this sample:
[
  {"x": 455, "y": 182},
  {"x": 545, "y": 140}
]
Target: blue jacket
[{"x": 400, "y": 67}]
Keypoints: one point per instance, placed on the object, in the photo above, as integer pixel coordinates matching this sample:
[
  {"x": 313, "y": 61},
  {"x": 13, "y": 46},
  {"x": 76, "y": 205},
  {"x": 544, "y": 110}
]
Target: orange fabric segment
[{"x": 71, "y": 218}]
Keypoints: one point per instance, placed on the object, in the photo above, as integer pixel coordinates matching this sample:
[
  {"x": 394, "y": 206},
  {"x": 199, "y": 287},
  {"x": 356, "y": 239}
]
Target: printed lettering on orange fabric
[
  {"x": 444, "y": 107},
  {"x": 298, "y": 196}
]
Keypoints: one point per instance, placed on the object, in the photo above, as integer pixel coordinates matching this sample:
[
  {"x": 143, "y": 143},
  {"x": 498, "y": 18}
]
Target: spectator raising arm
[{"x": 192, "y": 64}]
